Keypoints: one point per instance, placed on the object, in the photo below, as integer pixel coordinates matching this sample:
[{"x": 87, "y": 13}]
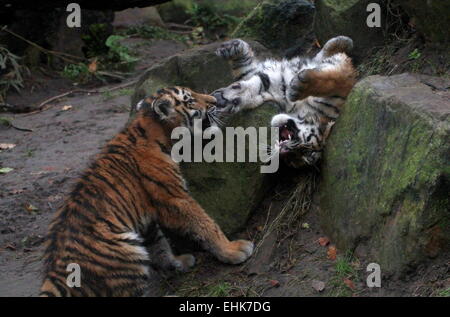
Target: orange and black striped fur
[{"x": 131, "y": 190}]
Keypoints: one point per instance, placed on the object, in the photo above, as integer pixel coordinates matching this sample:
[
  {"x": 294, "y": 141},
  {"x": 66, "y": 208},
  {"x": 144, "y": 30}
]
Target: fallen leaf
[
  {"x": 316, "y": 43},
  {"x": 5, "y": 170},
  {"x": 30, "y": 208},
  {"x": 93, "y": 66},
  {"x": 66, "y": 107},
  {"x": 274, "y": 283},
  {"x": 7, "y": 146},
  {"x": 349, "y": 283},
  {"x": 324, "y": 241},
  {"x": 10, "y": 246},
  {"x": 318, "y": 285},
  {"x": 305, "y": 225},
  {"x": 332, "y": 252}
]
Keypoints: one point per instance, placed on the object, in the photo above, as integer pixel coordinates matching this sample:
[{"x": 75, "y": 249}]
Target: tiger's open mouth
[{"x": 288, "y": 137}]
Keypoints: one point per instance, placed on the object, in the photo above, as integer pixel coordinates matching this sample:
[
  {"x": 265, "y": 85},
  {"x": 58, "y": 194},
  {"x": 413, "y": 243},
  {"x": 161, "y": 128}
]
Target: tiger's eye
[{"x": 236, "y": 86}]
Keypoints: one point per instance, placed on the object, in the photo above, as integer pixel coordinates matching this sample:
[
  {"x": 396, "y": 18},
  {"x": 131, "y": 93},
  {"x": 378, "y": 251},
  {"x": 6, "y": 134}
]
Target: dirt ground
[{"x": 47, "y": 160}]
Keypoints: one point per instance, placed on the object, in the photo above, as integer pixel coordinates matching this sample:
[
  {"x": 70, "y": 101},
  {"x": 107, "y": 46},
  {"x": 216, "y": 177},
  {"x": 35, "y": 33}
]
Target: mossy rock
[
  {"x": 348, "y": 17},
  {"x": 277, "y": 24},
  {"x": 179, "y": 11},
  {"x": 386, "y": 172},
  {"x": 227, "y": 191}
]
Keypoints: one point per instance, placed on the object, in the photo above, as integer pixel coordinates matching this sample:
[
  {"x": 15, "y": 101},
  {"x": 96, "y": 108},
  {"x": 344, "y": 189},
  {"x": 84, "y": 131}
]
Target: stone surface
[
  {"x": 138, "y": 17},
  {"x": 277, "y": 24},
  {"x": 49, "y": 29},
  {"x": 179, "y": 11},
  {"x": 227, "y": 191},
  {"x": 348, "y": 17},
  {"x": 43, "y": 5},
  {"x": 386, "y": 172},
  {"x": 431, "y": 18}
]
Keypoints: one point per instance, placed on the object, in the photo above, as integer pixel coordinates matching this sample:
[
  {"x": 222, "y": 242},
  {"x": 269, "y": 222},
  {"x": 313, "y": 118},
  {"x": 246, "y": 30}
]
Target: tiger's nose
[{"x": 220, "y": 101}]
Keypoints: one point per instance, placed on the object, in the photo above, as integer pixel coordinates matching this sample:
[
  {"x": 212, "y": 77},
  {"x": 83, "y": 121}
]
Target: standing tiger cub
[{"x": 131, "y": 190}]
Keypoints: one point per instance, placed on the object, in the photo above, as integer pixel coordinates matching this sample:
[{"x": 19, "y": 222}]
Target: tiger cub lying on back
[
  {"x": 109, "y": 224},
  {"x": 309, "y": 91}
]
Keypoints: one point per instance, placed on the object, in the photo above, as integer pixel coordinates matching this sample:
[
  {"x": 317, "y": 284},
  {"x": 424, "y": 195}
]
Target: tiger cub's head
[
  {"x": 299, "y": 138},
  {"x": 180, "y": 106}
]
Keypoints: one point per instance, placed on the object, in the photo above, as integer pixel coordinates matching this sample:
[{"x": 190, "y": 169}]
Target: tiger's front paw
[
  {"x": 234, "y": 49},
  {"x": 237, "y": 252},
  {"x": 302, "y": 85}
]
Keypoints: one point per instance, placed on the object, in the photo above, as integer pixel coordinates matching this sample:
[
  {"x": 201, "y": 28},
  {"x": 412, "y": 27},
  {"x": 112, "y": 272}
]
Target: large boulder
[
  {"x": 278, "y": 24},
  {"x": 44, "y": 23},
  {"x": 180, "y": 11},
  {"x": 348, "y": 17},
  {"x": 227, "y": 191},
  {"x": 49, "y": 29},
  {"x": 431, "y": 18},
  {"x": 386, "y": 172}
]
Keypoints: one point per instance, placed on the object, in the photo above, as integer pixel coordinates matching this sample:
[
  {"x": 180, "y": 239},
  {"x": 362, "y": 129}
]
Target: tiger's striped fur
[
  {"x": 110, "y": 223},
  {"x": 310, "y": 92}
]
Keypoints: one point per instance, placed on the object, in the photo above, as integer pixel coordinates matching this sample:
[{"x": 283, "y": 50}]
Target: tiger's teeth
[{"x": 289, "y": 136}]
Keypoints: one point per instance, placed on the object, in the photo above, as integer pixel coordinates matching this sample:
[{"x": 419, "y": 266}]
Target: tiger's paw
[
  {"x": 233, "y": 49},
  {"x": 184, "y": 262},
  {"x": 237, "y": 252},
  {"x": 338, "y": 44},
  {"x": 302, "y": 85}
]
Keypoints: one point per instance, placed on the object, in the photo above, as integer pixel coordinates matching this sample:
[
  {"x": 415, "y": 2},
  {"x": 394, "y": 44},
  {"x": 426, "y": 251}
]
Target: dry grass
[
  {"x": 11, "y": 73},
  {"x": 287, "y": 222}
]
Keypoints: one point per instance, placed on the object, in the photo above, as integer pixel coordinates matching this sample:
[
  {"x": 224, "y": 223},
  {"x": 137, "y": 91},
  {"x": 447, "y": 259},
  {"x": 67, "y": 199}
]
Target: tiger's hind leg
[
  {"x": 334, "y": 78},
  {"x": 338, "y": 44},
  {"x": 240, "y": 56},
  {"x": 162, "y": 257}
]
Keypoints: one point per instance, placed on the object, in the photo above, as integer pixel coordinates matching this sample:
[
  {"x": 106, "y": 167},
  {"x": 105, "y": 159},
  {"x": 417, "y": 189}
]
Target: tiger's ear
[{"x": 162, "y": 107}]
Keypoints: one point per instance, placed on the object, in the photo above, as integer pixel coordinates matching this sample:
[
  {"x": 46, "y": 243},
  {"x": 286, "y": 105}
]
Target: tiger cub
[
  {"x": 309, "y": 91},
  {"x": 110, "y": 223}
]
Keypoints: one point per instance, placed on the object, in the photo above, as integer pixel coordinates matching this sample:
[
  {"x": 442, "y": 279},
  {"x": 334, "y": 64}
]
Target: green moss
[
  {"x": 444, "y": 292},
  {"x": 382, "y": 177},
  {"x": 340, "y": 6},
  {"x": 227, "y": 191},
  {"x": 277, "y": 24}
]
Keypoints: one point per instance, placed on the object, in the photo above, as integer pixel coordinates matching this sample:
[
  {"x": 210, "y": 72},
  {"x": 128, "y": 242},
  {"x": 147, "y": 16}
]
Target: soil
[{"x": 47, "y": 160}]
